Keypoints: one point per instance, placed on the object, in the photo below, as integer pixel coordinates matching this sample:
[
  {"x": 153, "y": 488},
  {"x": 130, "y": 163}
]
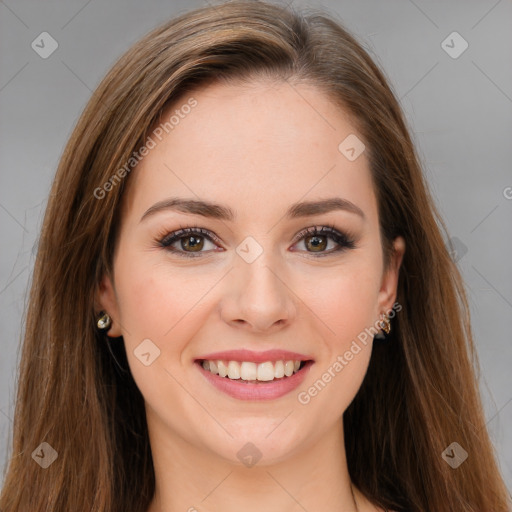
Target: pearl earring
[{"x": 104, "y": 321}]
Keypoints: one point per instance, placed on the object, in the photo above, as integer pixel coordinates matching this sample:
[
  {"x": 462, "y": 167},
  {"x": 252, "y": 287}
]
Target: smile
[
  {"x": 249, "y": 371},
  {"x": 254, "y": 380}
]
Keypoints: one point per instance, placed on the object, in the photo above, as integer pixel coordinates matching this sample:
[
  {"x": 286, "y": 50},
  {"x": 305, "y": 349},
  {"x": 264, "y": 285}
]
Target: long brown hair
[{"x": 75, "y": 390}]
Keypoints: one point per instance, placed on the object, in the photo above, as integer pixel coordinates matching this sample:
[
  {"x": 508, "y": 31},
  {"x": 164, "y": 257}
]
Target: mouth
[
  {"x": 249, "y": 372},
  {"x": 255, "y": 380}
]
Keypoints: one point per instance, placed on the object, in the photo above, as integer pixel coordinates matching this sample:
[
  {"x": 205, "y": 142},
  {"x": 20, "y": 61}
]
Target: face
[{"x": 249, "y": 282}]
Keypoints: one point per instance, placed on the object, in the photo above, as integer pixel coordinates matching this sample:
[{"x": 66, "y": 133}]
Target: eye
[
  {"x": 316, "y": 240},
  {"x": 190, "y": 241}
]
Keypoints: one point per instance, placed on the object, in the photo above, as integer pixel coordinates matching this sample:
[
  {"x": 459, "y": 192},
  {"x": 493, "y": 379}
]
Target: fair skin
[{"x": 257, "y": 149}]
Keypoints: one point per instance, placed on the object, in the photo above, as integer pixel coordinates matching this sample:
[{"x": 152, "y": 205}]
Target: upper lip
[{"x": 255, "y": 357}]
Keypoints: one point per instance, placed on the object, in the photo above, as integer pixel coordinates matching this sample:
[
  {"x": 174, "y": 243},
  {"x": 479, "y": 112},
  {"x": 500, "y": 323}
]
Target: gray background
[{"x": 459, "y": 111}]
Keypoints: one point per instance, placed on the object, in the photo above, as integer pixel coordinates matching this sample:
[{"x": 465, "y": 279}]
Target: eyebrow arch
[{"x": 217, "y": 211}]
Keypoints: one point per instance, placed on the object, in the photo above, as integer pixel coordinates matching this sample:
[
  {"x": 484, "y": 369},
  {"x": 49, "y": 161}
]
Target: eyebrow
[{"x": 217, "y": 211}]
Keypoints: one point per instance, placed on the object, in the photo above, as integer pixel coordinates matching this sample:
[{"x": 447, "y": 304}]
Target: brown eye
[
  {"x": 316, "y": 243},
  {"x": 324, "y": 241},
  {"x": 189, "y": 242},
  {"x": 194, "y": 243}
]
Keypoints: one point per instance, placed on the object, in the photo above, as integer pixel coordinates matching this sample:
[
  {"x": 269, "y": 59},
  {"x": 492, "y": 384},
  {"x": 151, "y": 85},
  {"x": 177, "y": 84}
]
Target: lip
[
  {"x": 247, "y": 390},
  {"x": 241, "y": 355}
]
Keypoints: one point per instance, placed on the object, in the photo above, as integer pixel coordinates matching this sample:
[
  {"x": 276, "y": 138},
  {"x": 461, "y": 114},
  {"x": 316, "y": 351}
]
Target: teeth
[
  {"x": 222, "y": 369},
  {"x": 249, "y": 371},
  {"x": 266, "y": 371},
  {"x": 233, "y": 370},
  {"x": 279, "y": 369}
]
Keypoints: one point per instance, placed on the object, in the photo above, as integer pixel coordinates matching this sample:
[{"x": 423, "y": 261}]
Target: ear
[
  {"x": 106, "y": 300},
  {"x": 389, "y": 284}
]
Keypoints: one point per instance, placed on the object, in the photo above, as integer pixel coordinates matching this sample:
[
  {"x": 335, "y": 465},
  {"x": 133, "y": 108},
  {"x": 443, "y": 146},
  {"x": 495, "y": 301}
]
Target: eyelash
[{"x": 343, "y": 240}]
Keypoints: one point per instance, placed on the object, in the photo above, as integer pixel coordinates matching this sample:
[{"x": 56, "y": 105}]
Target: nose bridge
[
  {"x": 261, "y": 297},
  {"x": 263, "y": 276}
]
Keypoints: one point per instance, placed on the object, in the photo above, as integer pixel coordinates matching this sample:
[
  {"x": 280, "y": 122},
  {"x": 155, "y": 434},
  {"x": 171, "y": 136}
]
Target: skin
[{"x": 257, "y": 148}]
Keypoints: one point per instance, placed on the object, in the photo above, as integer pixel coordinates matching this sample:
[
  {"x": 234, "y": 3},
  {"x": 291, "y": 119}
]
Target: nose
[{"x": 258, "y": 297}]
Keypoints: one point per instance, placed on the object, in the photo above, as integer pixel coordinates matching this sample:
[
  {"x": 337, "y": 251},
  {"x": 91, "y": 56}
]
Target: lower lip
[{"x": 246, "y": 390}]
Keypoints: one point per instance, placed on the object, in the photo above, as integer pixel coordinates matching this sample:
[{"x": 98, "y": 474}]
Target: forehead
[{"x": 256, "y": 147}]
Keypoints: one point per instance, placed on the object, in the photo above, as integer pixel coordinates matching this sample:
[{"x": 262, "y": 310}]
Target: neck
[{"x": 193, "y": 479}]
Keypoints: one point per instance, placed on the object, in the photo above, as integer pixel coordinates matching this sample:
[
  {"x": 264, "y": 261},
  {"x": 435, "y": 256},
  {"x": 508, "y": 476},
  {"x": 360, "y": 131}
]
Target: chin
[{"x": 262, "y": 441}]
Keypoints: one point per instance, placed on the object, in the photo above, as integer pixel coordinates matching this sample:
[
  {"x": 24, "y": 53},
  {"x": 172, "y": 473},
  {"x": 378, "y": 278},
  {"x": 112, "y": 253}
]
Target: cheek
[
  {"x": 165, "y": 306},
  {"x": 345, "y": 298},
  {"x": 346, "y": 303},
  {"x": 163, "y": 303}
]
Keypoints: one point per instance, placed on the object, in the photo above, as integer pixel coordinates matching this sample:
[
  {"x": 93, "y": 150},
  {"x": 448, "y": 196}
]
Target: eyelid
[
  {"x": 193, "y": 230},
  {"x": 316, "y": 230}
]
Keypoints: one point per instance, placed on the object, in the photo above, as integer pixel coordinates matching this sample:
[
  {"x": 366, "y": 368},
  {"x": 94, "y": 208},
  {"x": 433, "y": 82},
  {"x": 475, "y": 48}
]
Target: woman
[{"x": 242, "y": 298}]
